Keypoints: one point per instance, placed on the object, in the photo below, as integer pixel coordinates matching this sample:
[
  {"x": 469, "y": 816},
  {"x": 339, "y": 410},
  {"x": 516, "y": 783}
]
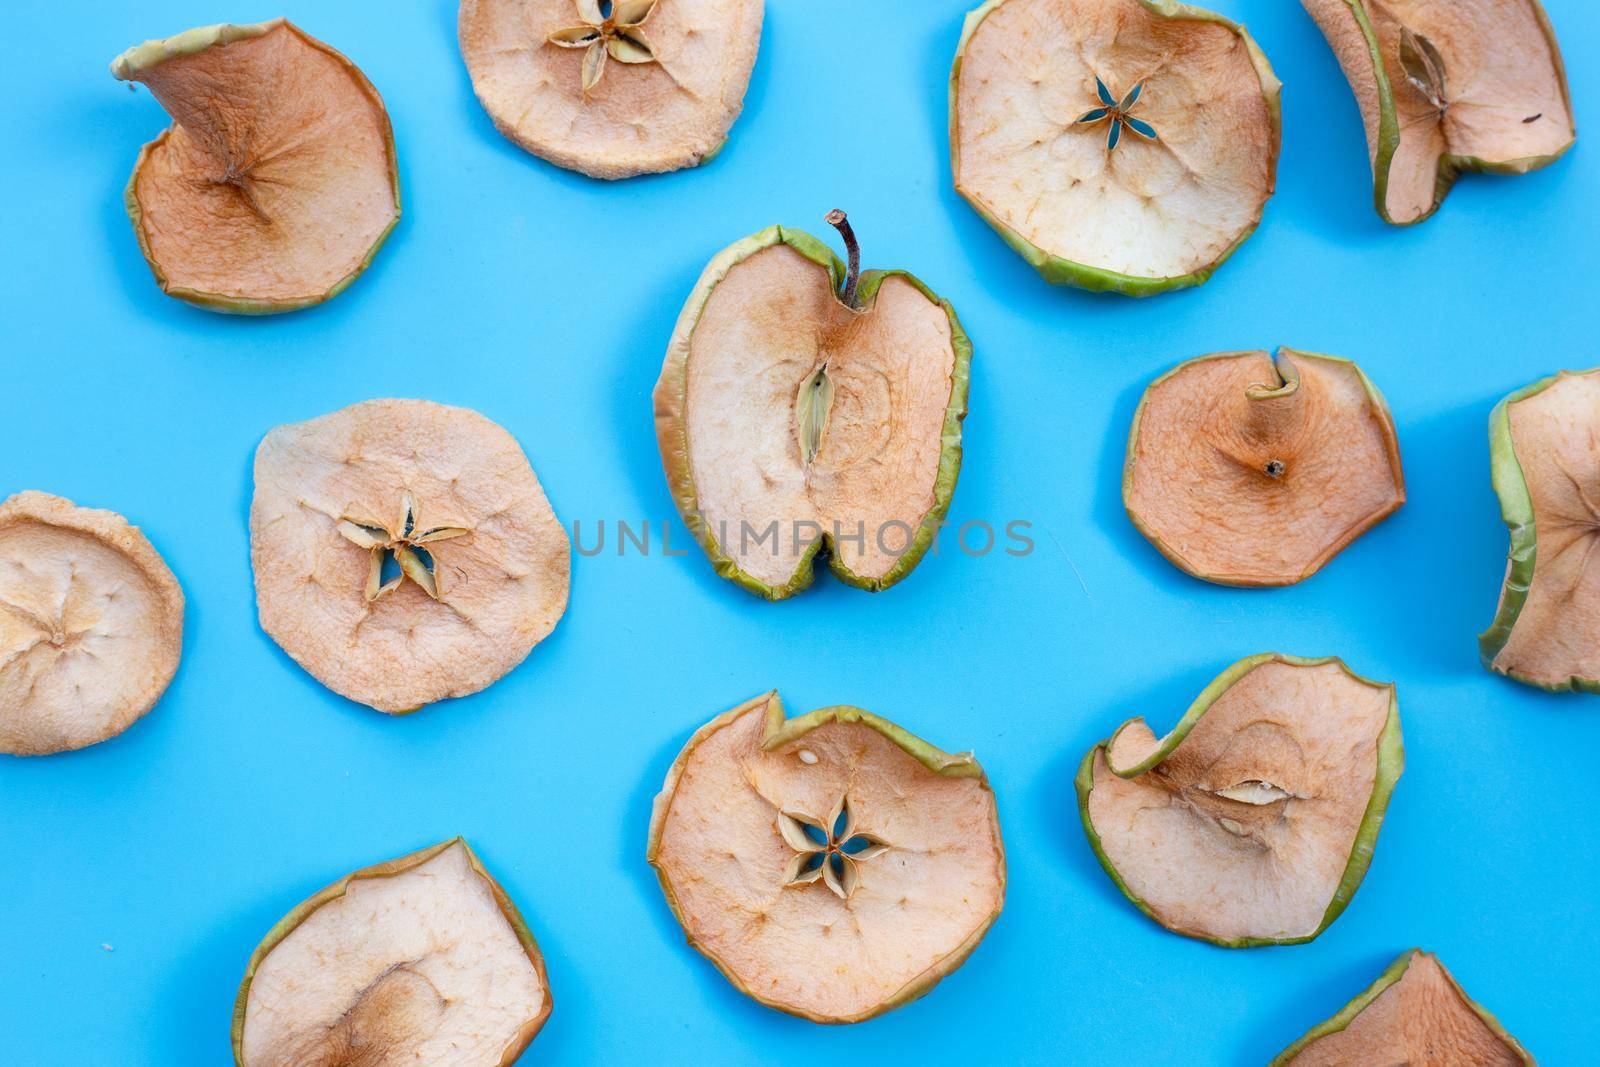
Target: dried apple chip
[
  {"x": 612, "y": 88},
  {"x": 440, "y": 496},
  {"x": 796, "y": 417},
  {"x": 1415, "y": 1013},
  {"x": 1254, "y": 820},
  {"x": 1123, "y": 145},
  {"x": 832, "y": 866},
  {"x": 91, "y": 625},
  {"x": 1546, "y": 471},
  {"x": 276, "y": 183},
  {"x": 1449, "y": 87},
  {"x": 421, "y": 960},
  {"x": 1249, "y": 469}
]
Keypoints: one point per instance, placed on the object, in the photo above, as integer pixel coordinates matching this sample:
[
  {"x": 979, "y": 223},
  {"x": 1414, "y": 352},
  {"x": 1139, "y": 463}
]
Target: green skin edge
[
  {"x": 1450, "y": 167},
  {"x": 1058, "y": 271},
  {"x": 1516, "y": 509},
  {"x": 1391, "y": 762},
  {"x": 1291, "y": 382},
  {"x": 1392, "y": 974},
  {"x": 672, "y": 433},
  {"x": 290, "y": 922},
  {"x": 779, "y": 730},
  {"x": 130, "y": 64}
]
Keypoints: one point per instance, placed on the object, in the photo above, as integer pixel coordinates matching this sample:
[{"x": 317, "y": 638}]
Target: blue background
[{"x": 545, "y": 300}]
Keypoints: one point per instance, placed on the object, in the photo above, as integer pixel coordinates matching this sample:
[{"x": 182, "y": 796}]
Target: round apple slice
[
  {"x": 1449, "y": 87},
  {"x": 276, "y": 182},
  {"x": 1123, "y": 145},
  {"x": 832, "y": 866},
  {"x": 404, "y": 551},
  {"x": 796, "y": 417},
  {"x": 423, "y": 959},
  {"x": 612, "y": 88},
  {"x": 1245, "y": 469},
  {"x": 1547, "y": 476},
  {"x": 1414, "y": 1013},
  {"x": 1254, "y": 820},
  {"x": 91, "y": 625}
]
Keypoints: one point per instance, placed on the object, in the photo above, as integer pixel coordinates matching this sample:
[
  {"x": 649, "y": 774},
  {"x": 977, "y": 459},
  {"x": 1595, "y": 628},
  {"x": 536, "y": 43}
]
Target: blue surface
[{"x": 545, "y": 301}]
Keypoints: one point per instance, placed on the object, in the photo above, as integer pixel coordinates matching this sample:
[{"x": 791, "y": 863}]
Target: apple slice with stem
[
  {"x": 1250, "y": 469},
  {"x": 806, "y": 408}
]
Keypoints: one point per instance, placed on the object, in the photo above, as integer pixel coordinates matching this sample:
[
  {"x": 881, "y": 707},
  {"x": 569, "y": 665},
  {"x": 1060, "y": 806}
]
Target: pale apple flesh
[
  {"x": 791, "y": 422},
  {"x": 1254, "y": 820},
  {"x": 832, "y": 950},
  {"x": 421, "y": 960},
  {"x": 1447, "y": 87},
  {"x": 1545, "y": 446},
  {"x": 1154, "y": 212},
  {"x": 91, "y": 625},
  {"x": 672, "y": 112},
  {"x": 1414, "y": 1013}
]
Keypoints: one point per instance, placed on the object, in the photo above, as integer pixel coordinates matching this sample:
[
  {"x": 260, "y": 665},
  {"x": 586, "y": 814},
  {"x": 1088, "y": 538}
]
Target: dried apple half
[
  {"x": 404, "y": 551},
  {"x": 1546, "y": 471},
  {"x": 796, "y": 417},
  {"x": 1415, "y": 1013},
  {"x": 91, "y": 625},
  {"x": 421, "y": 960},
  {"x": 612, "y": 88},
  {"x": 276, "y": 183},
  {"x": 1253, "y": 821},
  {"x": 1446, "y": 87},
  {"x": 1122, "y": 145},
  {"x": 1250, "y": 469},
  {"x": 832, "y": 866}
]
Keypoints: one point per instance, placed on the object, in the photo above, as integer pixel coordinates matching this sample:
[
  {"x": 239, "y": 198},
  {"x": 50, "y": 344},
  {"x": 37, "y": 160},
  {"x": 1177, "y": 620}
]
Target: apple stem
[{"x": 837, "y": 220}]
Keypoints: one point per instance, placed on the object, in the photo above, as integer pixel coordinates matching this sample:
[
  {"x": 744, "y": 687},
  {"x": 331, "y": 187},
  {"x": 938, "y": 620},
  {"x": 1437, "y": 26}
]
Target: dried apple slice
[
  {"x": 91, "y": 625},
  {"x": 423, "y": 959},
  {"x": 612, "y": 88},
  {"x": 445, "y": 499},
  {"x": 1124, "y": 145},
  {"x": 1415, "y": 1013},
  {"x": 276, "y": 183},
  {"x": 1546, "y": 472},
  {"x": 1449, "y": 87},
  {"x": 1253, "y": 821},
  {"x": 1249, "y": 469},
  {"x": 832, "y": 866},
  {"x": 796, "y": 418}
]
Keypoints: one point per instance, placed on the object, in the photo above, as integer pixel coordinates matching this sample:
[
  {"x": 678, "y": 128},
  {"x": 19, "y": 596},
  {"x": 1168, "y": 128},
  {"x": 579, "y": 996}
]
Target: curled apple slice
[
  {"x": 1414, "y": 1013},
  {"x": 1254, "y": 820},
  {"x": 91, "y": 625},
  {"x": 276, "y": 182},
  {"x": 803, "y": 408},
  {"x": 832, "y": 866},
  {"x": 1124, "y": 145},
  {"x": 1547, "y": 474},
  {"x": 423, "y": 959},
  {"x": 1249, "y": 469},
  {"x": 404, "y": 551},
  {"x": 612, "y": 88},
  {"x": 1446, "y": 88}
]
